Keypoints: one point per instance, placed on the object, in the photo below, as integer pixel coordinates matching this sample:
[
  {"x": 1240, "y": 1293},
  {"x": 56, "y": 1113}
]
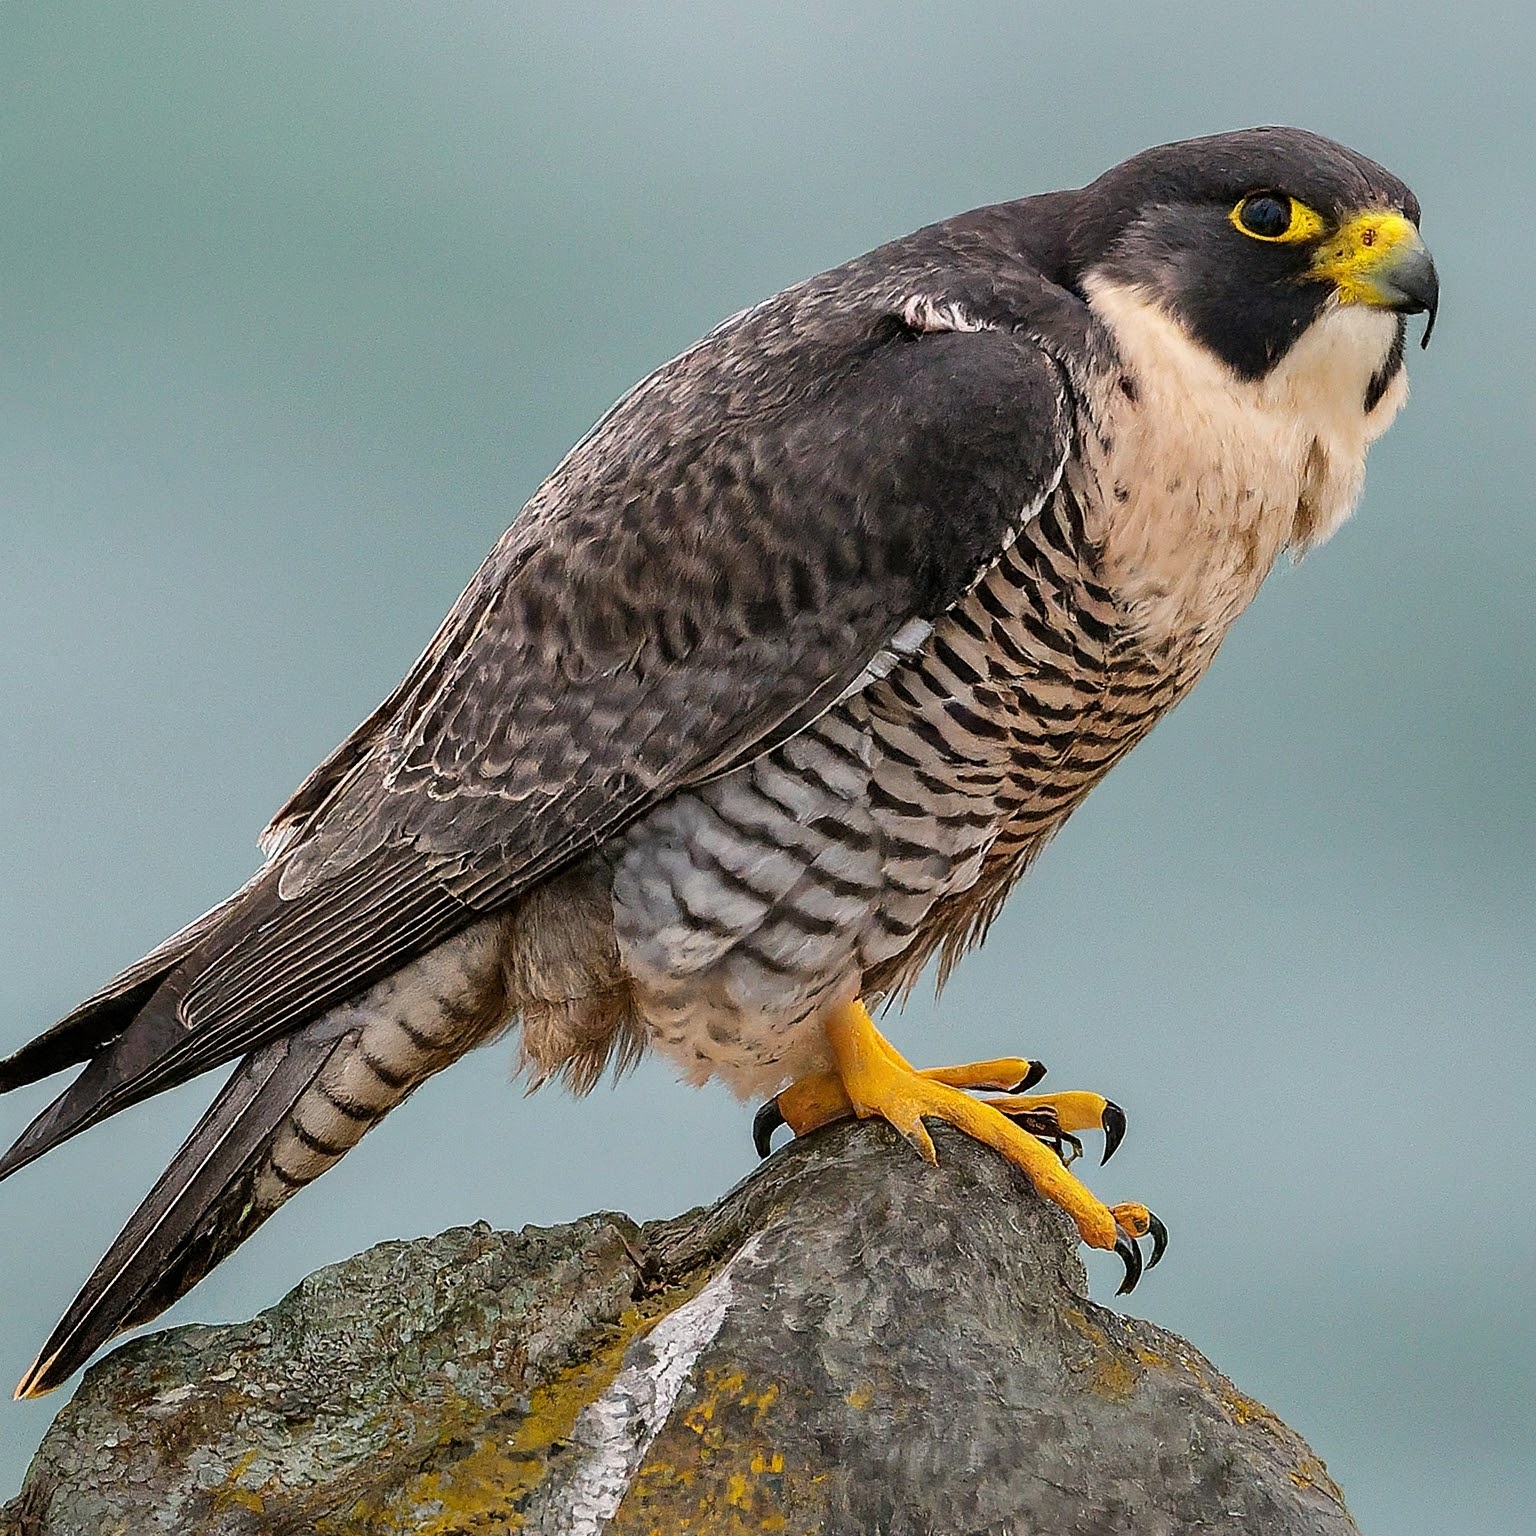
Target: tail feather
[
  {"x": 291, "y": 1109},
  {"x": 259, "y": 967},
  {"x": 207, "y": 1202}
]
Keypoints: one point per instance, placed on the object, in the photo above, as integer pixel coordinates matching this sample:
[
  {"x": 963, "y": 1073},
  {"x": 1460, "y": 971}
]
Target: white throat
[{"x": 1212, "y": 475}]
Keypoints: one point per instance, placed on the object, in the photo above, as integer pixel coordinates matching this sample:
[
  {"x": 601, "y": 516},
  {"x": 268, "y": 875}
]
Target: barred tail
[
  {"x": 289, "y": 1112},
  {"x": 204, "y": 1205}
]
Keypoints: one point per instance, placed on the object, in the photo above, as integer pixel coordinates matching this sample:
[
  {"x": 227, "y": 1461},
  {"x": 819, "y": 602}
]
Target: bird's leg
[{"x": 872, "y": 1078}]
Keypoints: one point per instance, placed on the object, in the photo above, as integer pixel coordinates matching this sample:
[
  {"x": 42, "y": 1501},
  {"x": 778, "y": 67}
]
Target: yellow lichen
[
  {"x": 236, "y": 1494},
  {"x": 452, "y": 1492},
  {"x": 1245, "y": 1410},
  {"x": 716, "y": 1469},
  {"x": 1309, "y": 1472},
  {"x": 1090, "y": 1331},
  {"x": 1114, "y": 1378},
  {"x": 480, "y": 1490},
  {"x": 713, "y": 1468}
]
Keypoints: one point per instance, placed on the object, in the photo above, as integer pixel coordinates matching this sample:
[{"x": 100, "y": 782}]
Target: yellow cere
[
  {"x": 1354, "y": 255},
  {"x": 1305, "y": 223}
]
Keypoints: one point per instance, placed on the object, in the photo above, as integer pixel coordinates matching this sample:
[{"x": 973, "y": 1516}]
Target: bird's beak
[{"x": 1377, "y": 257}]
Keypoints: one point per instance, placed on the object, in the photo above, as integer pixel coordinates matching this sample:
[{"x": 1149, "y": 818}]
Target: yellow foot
[
  {"x": 817, "y": 1100},
  {"x": 1034, "y": 1132}
]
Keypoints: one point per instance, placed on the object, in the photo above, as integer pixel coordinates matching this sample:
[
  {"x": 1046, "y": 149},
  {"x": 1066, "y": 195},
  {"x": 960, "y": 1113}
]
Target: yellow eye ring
[{"x": 1275, "y": 219}]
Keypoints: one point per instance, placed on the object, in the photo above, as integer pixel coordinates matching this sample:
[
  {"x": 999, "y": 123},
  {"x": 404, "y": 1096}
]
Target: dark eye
[{"x": 1264, "y": 215}]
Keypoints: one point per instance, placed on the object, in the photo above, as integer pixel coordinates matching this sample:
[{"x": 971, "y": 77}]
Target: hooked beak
[{"x": 1379, "y": 258}]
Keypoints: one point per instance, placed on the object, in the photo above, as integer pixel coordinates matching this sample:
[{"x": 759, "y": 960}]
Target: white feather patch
[
  {"x": 923, "y": 312},
  {"x": 905, "y": 642}
]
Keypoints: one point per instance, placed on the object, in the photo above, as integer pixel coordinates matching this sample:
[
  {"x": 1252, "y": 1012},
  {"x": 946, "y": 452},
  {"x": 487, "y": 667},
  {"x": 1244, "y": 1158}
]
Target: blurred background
[{"x": 298, "y": 303}]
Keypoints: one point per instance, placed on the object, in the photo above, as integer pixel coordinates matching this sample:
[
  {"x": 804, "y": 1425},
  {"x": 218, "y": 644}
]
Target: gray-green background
[{"x": 299, "y": 302}]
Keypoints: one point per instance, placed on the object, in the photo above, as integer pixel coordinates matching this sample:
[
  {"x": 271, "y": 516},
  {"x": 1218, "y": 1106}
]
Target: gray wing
[{"x": 702, "y": 577}]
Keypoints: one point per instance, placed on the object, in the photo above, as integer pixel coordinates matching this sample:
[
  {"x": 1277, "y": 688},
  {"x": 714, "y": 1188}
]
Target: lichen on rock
[{"x": 849, "y": 1341}]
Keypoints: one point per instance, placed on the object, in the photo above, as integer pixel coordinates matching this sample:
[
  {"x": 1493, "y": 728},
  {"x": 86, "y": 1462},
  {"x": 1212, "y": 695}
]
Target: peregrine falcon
[{"x": 775, "y": 688}]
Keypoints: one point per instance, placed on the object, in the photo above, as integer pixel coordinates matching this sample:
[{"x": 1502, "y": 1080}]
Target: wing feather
[{"x": 733, "y": 547}]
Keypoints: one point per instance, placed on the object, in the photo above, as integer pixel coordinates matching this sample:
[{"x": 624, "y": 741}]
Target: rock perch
[{"x": 850, "y": 1342}]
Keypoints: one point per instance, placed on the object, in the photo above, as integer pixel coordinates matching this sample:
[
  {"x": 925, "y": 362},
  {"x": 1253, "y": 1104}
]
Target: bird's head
[{"x": 1249, "y": 240}]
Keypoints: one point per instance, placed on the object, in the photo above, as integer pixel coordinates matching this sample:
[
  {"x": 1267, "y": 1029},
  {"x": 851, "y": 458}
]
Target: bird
[{"x": 776, "y": 687}]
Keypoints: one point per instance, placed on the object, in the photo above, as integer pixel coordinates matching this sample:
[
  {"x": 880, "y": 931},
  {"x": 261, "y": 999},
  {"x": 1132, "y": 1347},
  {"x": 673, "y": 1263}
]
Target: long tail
[
  {"x": 217, "y": 1190},
  {"x": 292, "y": 1108},
  {"x": 289, "y": 1112}
]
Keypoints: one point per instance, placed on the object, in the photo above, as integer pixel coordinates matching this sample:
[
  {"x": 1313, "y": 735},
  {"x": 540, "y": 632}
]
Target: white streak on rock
[{"x": 617, "y": 1429}]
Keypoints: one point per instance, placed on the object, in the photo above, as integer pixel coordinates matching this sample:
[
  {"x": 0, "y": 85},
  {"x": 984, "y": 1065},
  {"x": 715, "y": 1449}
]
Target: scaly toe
[
  {"x": 1075, "y": 1111},
  {"x": 1004, "y": 1074},
  {"x": 1133, "y": 1217}
]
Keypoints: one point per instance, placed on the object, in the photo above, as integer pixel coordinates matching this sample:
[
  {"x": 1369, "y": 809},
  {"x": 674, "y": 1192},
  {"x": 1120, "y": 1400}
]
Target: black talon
[
  {"x": 1030, "y": 1078},
  {"x": 1072, "y": 1141},
  {"x": 1159, "y": 1239},
  {"x": 764, "y": 1123},
  {"x": 1114, "y": 1130},
  {"x": 1130, "y": 1256}
]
